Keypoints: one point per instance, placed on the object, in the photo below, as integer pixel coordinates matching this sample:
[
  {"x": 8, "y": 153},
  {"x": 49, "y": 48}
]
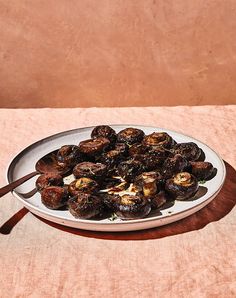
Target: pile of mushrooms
[{"x": 126, "y": 173}]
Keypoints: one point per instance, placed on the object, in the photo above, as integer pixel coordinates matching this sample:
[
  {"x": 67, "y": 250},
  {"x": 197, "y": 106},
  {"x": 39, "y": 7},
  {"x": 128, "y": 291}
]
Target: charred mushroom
[
  {"x": 130, "y": 135},
  {"x": 173, "y": 165},
  {"x": 137, "y": 149},
  {"x": 104, "y": 131},
  {"x": 159, "y": 199},
  {"x": 93, "y": 147},
  {"x": 189, "y": 151},
  {"x": 122, "y": 147},
  {"x": 153, "y": 159},
  {"x": 182, "y": 186},
  {"x": 129, "y": 169},
  {"x": 83, "y": 184},
  {"x": 85, "y": 205},
  {"x": 129, "y": 206},
  {"x": 89, "y": 169},
  {"x": 159, "y": 139},
  {"x": 147, "y": 183},
  {"x": 54, "y": 197},
  {"x": 48, "y": 179},
  {"x": 68, "y": 155},
  {"x": 202, "y": 170}
]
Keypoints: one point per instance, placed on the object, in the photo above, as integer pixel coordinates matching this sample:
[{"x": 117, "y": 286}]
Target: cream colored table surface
[{"x": 195, "y": 257}]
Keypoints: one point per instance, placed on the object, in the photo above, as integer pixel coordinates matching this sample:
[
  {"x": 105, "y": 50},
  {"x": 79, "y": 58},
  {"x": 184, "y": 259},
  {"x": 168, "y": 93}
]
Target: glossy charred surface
[
  {"x": 173, "y": 165},
  {"x": 122, "y": 147},
  {"x": 69, "y": 155},
  {"x": 137, "y": 149},
  {"x": 190, "y": 151},
  {"x": 202, "y": 170},
  {"x": 159, "y": 139},
  {"x": 83, "y": 184},
  {"x": 48, "y": 179},
  {"x": 111, "y": 158},
  {"x": 89, "y": 169},
  {"x": 152, "y": 159},
  {"x": 148, "y": 183},
  {"x": 104, "y": 131},
  {"x": 130, "y": 135},
  {"x": 129, "y": 206},
  {"x": 92, "y": 147},
  {"x": 182, "y": 186},
  {"x": 85, "y": 205},
  {"x": 54, "y": 197},
  {"x": 159, "y": 199},
  {"x": 129, "y": 169}
]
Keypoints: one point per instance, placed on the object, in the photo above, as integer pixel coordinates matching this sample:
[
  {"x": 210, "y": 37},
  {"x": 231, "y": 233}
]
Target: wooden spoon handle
[{"x": 4, "y": 190}]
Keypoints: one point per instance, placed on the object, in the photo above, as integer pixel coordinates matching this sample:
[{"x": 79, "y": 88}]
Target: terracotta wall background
[{"x": 69, "y": 53}]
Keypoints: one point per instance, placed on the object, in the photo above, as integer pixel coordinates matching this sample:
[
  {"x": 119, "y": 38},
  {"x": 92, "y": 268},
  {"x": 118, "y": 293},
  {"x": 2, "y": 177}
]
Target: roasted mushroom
[
  {"x": 126, "y": 173},
  {"x": 148, "y": 183},
  {"x": 159, "y": 139},
  {"x": 48, "y": 179},
  {"x": 83, "y": 184},
  {"x": 182, "y": 186},
  {"x": 202, "y": 170},
  {"x": 173, "y": 165},
  {"x": 54, "y": 197},
  {"x": 189, "y": 151},
  {"x": 129, "y": 206},
  {"x": 130, "y": 135},
  {"x": 137, "y": 149},
  {"x": 153, "y": 159},
  {"x": 93, "y": 147},
  {"x": 111, "y": 159},
  {"x": 89, "y": 169},
  {"x": 129, "y": 169},
  {"x": 85, "y": 205},
  {"x": 104, "y": 131},
  {"x": 122, "y": 147},
  {"x": 159, "y": 199},
  {"x": 68, "y": 155}
]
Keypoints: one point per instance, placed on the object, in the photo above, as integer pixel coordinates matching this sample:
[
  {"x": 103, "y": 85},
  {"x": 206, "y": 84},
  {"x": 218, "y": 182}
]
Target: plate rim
[{"x": 89, "y": 222}]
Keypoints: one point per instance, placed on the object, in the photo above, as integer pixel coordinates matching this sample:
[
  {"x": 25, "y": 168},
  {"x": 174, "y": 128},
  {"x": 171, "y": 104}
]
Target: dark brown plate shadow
[{"x": 219, "y": 207}]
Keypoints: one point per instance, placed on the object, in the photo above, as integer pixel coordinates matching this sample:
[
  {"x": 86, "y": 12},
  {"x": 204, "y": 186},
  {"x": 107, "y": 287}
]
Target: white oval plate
[{"x": 25, "y": 161}]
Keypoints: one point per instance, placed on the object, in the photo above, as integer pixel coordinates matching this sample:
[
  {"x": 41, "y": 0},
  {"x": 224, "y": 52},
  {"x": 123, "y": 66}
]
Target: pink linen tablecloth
[{"x": 195, "y": 257}]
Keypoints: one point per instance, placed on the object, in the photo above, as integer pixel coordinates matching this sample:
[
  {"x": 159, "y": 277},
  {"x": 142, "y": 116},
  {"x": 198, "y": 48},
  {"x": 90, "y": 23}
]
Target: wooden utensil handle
[{"x": 4, "y": 190}]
